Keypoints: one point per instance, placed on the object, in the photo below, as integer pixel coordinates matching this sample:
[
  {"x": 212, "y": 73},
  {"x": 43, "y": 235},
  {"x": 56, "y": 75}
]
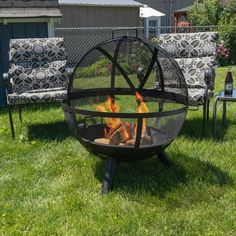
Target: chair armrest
[
  {"x": 6, "y": 80},
  {"x": 209, "y": 77}
]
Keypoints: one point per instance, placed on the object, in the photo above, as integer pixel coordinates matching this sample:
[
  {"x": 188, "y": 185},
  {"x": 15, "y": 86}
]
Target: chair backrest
[
  {"x": 194, "y": 52},
  {"x": 37, "y": 63}
]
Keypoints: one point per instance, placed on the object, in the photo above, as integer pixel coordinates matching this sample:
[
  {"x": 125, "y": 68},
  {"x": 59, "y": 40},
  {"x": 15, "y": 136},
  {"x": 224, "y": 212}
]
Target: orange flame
[
  {"x": 138, "y": 97},
  {"x": 142, "y": 108},
  {"x": 111, "y": 105},
  {"x": 111, "y": 123},
  {"x": 101, "y": 108}
]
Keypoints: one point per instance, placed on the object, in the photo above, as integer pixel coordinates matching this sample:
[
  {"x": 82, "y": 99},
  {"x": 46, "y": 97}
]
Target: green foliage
[
  {"x": 227, "y": 29},
  {"x": 213, "y": 12},
  {"x": 103, "y": 66},
  {"x": 141, "y": 56},
  {"x": 99, "y": 68},
  {"x": 205, "y": 14}
]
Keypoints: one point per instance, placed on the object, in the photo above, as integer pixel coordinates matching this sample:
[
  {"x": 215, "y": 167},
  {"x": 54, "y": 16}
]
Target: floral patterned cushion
[
  {"x": 194, "y": 53},
  {"x": 38, "y": 75},
  {"x": 36, "y": 49},
  {"x": 37, "y": 96},
  {"x": 188, "y": 45},
  {"x": 37, "y": 70},
  {"x": 196, "y": 96},
  {"x": 194, "y": 69},
  {"x": 171, "y": 75}
]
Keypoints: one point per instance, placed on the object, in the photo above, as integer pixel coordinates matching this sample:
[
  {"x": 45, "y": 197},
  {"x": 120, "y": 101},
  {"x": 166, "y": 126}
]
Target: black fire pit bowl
[{"x": 148, "y": 100}]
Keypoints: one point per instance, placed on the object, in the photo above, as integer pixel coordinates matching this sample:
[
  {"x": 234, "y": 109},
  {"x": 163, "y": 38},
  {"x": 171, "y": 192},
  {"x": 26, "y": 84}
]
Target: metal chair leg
[
  {"x": 20, "y": 116},
  {"x": 208, "y": 106},
  {"x": 204, "y": 119},
  {"x": 11, "y": 123},
  {"x": 214, "y": 117}
]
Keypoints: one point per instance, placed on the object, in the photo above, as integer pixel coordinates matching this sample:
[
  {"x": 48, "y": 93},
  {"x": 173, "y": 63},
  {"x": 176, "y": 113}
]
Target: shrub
[
  {"x": 213, "y": 12},
  {"x": 223, "y": 54},
  {"x": 103, "y": 67},
  {"x": 206, "y": 13},
  {"x": 227, "y": 29},
  {"x": 99, "y": 68}
]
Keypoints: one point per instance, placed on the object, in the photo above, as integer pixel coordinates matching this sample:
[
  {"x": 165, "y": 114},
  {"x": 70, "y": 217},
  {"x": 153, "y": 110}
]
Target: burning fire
[
  {"x": 118, "y": 131},
  {"x": 111, "y": 123},
  {"x": 142, "y": 108}
]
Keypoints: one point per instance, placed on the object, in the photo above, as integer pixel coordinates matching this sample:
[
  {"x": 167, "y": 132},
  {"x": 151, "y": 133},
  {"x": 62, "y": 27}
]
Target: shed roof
[
  {"x": 29, "y": 12},
  {"x": 114, "y": 3},
  {"x": 28, "y": 3},
  {"x": 185, "y": 9}
]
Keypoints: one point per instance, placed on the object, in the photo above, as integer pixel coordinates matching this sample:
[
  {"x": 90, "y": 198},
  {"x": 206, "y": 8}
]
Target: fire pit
[{"x": 127, "y": 101}]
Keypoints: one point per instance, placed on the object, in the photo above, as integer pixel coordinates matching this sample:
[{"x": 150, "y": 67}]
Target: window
[
  {"x": 152, "y": 25},
  {"x": 152, "y": 28}
]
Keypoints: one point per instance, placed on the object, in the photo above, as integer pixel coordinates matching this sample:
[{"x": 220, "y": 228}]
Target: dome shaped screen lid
[{"x": 122, "y": 59}]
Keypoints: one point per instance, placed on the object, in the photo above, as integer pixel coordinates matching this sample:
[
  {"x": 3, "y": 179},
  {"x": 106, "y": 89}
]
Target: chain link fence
[{"x": 79, "y": 40}]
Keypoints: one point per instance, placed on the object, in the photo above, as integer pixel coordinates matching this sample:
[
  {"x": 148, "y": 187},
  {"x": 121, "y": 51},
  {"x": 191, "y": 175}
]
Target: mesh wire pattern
[{"x": 148, "y": 92}]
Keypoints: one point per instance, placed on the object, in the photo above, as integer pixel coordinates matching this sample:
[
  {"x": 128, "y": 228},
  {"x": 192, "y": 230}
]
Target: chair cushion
[
  {"x": 194, "y": 69},
  {"x": 172, "y": 75},
  {"x": 37, "y": 49},
  {"x": 202, "y": 44},
  {"x": 37, "y": 96},
  {"x": 38, "y": 75},
  {"x": 196, "y": 96}
]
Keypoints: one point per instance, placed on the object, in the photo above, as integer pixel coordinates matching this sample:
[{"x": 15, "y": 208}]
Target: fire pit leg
[
  {"x": 164, "y": 159},
  {"x": 109, "y": 175}
]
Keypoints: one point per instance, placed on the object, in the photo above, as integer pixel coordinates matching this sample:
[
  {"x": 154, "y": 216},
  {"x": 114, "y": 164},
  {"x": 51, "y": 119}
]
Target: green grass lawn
[{"x": 50, "y": 185}]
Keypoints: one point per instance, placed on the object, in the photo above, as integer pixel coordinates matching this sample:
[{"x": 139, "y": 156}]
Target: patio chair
[
  {"x": 196, "y": 54},
  {"x": 37, "y": 73}
]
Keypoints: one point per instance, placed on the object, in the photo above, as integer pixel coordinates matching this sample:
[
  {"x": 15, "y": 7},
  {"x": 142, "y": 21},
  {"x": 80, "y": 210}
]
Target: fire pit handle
[{"x": 122, "y": 29}]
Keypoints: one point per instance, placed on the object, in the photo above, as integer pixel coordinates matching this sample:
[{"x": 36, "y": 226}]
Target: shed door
[{"x": 11, "y": 31}]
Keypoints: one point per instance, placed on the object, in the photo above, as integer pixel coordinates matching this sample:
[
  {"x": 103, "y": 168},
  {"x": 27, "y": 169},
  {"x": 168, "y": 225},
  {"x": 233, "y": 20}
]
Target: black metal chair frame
[{"x": 7, "y": 86}]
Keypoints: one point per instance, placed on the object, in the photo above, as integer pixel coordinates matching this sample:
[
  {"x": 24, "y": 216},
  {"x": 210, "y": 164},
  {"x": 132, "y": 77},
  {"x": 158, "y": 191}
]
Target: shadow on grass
[
  {"x": 151, "y": 177},
  {"x": 192, "y": 128},
  {"x": 50, "y": 131},
  {"x": 31, "y": 107},
  {"x": 3, "y": 110}
]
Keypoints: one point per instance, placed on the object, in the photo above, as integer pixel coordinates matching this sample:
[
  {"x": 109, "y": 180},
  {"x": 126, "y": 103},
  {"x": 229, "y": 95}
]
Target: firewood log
[
  {"x": 122, "y": 134},
  {"x": 102, "y": 140}
]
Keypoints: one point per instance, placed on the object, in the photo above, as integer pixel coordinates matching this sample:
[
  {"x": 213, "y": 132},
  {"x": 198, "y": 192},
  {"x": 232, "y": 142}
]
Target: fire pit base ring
[
  {"x": 86, "y": 135},
  {"x": 108, "y": 179}
]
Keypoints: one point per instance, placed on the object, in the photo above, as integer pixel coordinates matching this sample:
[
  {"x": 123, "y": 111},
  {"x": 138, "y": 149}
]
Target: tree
[
  {"x": 205, "y": 13},
  {"x": 221, "y": 14}
]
